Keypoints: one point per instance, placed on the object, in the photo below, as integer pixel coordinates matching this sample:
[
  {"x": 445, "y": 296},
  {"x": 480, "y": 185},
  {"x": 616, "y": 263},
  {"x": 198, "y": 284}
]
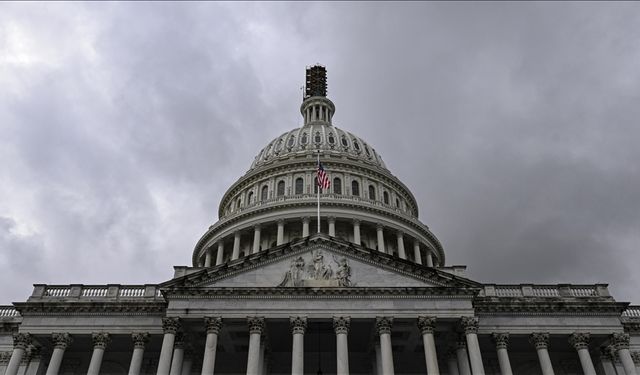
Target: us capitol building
[{"x": 369, "y": 293}]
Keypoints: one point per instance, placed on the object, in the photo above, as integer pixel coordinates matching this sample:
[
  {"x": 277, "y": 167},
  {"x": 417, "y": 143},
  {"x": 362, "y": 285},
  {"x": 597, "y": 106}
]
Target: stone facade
[{"x": 362, "y": 289}]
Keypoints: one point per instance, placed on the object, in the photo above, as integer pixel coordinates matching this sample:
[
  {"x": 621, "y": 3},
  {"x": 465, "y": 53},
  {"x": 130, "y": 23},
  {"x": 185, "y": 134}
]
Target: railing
[
  {"x": 545, "y": 291},
  {"x": 78, "y": 291},
  {"x": 631, "y": 312},
  {"x": 8, "y": 312}
]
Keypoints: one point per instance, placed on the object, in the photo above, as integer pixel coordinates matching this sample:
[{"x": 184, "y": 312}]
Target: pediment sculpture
[{"x": 314, "y": 272}]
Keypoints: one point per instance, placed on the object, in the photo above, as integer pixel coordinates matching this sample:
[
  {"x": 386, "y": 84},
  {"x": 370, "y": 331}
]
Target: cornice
[
  {"x": 90, "y": 308},
  {"x": 548, "y": 306}
]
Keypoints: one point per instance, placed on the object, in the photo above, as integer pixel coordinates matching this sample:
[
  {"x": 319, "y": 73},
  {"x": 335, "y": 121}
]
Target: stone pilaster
[
  {"x": 341, "y": 326},
  {"x": 213, "y": 325},
  {"x": 501, "y": 340},
  {"x": 427, "y": 325},
  {"x": 540, "y": 340},
  {"x": 383, "y": 326}
]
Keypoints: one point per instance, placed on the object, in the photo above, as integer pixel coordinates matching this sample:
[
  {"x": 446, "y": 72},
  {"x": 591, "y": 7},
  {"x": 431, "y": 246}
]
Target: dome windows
[
  {"x": 344, "y": 141},
  {"x": 385, "y": 197},
  {"x": 264, "y": 194},
  {"x": 356, "y": 145},
  {"x": 250, "y": 197},
  {"x": 292, "y": 141},
  {"x": 299, "y": 185},
  {"x": 318, "y": 138},
  {"x": 331, "y": 139},
  {"x": 305, "y": 139},
  {"x": 355, "y": 188},
  {"x": 280, "y": 189},
  {"x": 337, "y": 186},
  {"x": 372, "y": 192}
]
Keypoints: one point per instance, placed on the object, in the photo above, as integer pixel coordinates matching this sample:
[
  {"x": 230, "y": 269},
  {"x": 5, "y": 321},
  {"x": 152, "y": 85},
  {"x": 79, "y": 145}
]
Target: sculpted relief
[{"x": 314, "y": 272}]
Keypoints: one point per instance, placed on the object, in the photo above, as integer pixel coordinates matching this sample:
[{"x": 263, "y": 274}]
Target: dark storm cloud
[{"x": 122, "y": 124}]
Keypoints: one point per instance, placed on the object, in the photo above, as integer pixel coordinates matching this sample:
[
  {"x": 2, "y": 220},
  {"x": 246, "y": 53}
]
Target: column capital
[
  {"x": 427, "y": 324},
  {"x": 579, "y": 340},
  {"x": 635, "y": 356},
  {"x": 331, "y": 219},
  {"x": 257, "y": 227},
  {"x": 500, "y": 339},
  {"x": 5, "y": 357},
  {"x": 140, "y": 339},
  {"x": 356, "y": 221},
  {"x": 21, "y": 340},
  {"x": 213, "y": 324},
  {"x": 100, "y": 340},
  {"x": 170, "y": 325},
  {"x": 608, "y": 352},
  {"x": 384, "y": 324},
  {"x": 540, "y": 340},
  {"x": 620, "y": 340},
  {"x": 298, "y": 324},
  {"x": 305, "y": 219},
  {"x": 379, "y": 226},
  {"x": 61, "y": 340},
  {"x": 341, "y": 324},
  {"x": 469, "y": 324},
  {"x": 399, "y": 233},
  {"x": 256, "y": 324},
  {"x": 461, "y": 341},
  {"x": 280, "y": 221},
  {"x": 179, "y": 340}
]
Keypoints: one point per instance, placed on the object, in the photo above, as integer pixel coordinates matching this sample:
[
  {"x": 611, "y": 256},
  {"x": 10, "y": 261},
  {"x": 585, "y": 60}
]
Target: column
[
  {"x": 470, "y": 326},
  {"x": 429, "y": 258},
  {"x": 383, "y": 325},
  {"x": 452, "y": 363},
  {"x": 427, "y": 325},
  {"x": 236, "y": 246},
  {"x": 170, "y": 326},
  {"x": 541, "y": 342},
  {"x": 305, "y": 226},
  {"x": 20, "y": 343},
  {"x": 332, "y": 226},
  {"x": 341, "y": 326},
  {"x": 213, "y": 326},
  {"x": 298, "y": 326},
  {"x": 401, "y": 252},
  {"x": 280, "y": 237},
  {"x": 256, "y": 238},
  {"x": 187, "y": 361},
  {"x": 621, "y": 344},
  {"x": 178, "y": 354},
  {"x": 256, "y": 326},
  {"x": 207, "y": 258},
  {"x": 140, "y": 339},
  {"x": 580, "y": 341},
  {"x": 356, "y": 231},
  {"x": 463, "y": 357},
  {"x": 60, "y": 343},
  {"x": 378, "y": 359},
  {"x": 261, "y": 361},
  {"x": 100, "y": 342},
  {"x": 606, "y": 360},
  {"x": 35, "y": 361},
  {"x": 502, "y": 342},
  {"x": 379, "y": 229},
  {"x": 416, "y": 252},
  {"x": 220, "y": 254}
]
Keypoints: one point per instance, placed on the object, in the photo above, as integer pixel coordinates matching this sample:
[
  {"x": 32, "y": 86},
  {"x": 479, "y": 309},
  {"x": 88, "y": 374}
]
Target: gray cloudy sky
[{"x": 514, "y": 124}]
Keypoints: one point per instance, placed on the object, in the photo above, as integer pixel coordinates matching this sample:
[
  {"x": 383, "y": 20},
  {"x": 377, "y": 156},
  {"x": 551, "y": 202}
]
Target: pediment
[{"x": 320, "y": 262}]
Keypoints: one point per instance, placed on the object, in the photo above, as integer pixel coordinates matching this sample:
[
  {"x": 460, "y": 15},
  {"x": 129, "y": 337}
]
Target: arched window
[
  {"x": 299, "y": 185},
  {"x": 355, "y": 188},
  {"x": 280, "y": 191},
  {"x": 385, "y": 197},
  {"x": 337, "y": 186},
  {"x": 372, "y": 192},
  {"x": 356, "y": 145},
  {"x": 304, "y": 139},
  {"x": 317, "y": 138},
  {"x": 292, "y": 140},
  {"x": 344, "y": 141},
  {"x": 238, "y": 201},
  {"x": 250, "y": 197},
  {"x": 397, "y": 203},
  {"x": 331, "y": 139},
  {"x": 264, "y": 194}
]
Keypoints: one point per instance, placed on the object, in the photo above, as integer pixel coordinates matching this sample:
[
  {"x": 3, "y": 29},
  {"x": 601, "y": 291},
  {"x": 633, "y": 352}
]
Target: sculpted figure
[
  {"x": 294, "y": 276},
  {"x": 343, "y": 274},
  {"x": 320, "y": 271}
]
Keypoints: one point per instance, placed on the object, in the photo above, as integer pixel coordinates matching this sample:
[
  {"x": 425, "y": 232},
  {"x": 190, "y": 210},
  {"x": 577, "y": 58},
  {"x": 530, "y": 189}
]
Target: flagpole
[{"x": 318, "y": 185}]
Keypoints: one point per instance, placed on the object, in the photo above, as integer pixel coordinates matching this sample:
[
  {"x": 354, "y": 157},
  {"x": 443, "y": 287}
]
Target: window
[
  {"x": 337, "y": 186},
  {"x": 280, "y": 190},
  {"x": 385, "y": 197},
  {"x": 317, "y": 138},
  {"x": 304, "y": 139},
  {"x": 366, "y": 149},
  {"x": 345, "y": 143},
  {"x": 299, "y": 185},
  {"x": 291, "y": 141},
  {"x": 250, "y": 197},
  {"x": 372, "y": 192},
  {"x": 355, "y": 188},
  {"x": 397, "y": 203},
  {"x": 356, "y": 145},
  {"x": 238, "y": 203},
  {"x": 331, "y": 139},
  {"x": 265, "y": 193}
]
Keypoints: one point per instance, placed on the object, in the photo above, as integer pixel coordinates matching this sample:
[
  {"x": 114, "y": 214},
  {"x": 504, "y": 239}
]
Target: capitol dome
[{"x": 276, "y": 201}]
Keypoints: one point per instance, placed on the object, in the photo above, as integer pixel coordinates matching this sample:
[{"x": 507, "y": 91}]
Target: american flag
[{"x": 323, "y": 179}]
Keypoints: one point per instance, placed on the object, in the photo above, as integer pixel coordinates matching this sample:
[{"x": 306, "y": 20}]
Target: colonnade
[
  {"x": 214, "y": 255},
  {"x": 465, "y": 359}
]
